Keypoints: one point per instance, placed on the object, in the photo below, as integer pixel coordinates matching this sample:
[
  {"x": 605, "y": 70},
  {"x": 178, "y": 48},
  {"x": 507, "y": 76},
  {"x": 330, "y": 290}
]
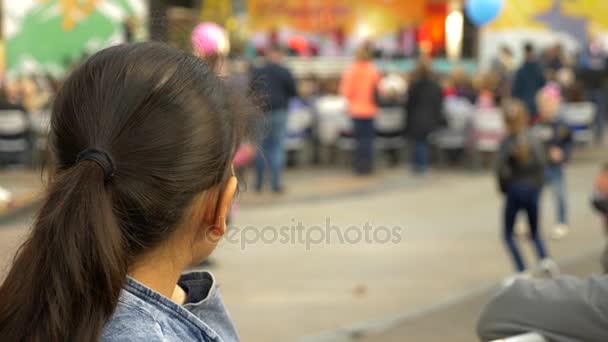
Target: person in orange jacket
[{"x": 358, "y": 86}]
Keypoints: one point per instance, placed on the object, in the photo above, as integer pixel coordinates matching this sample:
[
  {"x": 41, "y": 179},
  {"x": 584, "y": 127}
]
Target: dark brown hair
[
  {"x": 516, "y": 120},
  {"x": 423, "y": 69},
  {"x": 171, "y": 127}
]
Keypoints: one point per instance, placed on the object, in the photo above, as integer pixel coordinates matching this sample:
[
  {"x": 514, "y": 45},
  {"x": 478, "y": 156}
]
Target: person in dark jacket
[
  {"x": 520, "y": 170},
  {"x": 593, "y": 71},
  {"x": 424, "y": 114},
  {"x": 529, "y": 78},
  {"x": 276, "y": 85},
  {"x": 17, "y": 141}
]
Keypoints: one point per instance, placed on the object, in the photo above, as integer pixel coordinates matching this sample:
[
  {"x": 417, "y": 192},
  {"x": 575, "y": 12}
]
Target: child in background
[
  {"x": 520, "y": 173},
  {"x": 557, "y": 139}
]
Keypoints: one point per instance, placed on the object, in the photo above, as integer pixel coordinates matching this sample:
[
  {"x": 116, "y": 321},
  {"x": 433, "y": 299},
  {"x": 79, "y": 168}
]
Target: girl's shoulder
[
  {"x": 143, "y": 314},
  {"x": 132, "y": 323}
]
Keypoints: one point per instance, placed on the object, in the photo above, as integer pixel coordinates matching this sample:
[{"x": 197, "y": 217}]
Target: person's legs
[
  {"x": 421, "y": 155},
  {"x": 367, "y": 145},
  {"x": 358, "y": 136},
  {"x": 531, "y": 197},
  {"x": 422, "y": 148},
  {"x": 597, "y": 97},
  {"x": 561, "y": 196},
  {"x": 414, "y": 155},
  {"x": 260, "y": 160},
  {"x": 276, "y": 148},
  {"x": 510, "y": 213},
  {"x": 555, "y": 178},
  {"x": 424, "y": 153}
]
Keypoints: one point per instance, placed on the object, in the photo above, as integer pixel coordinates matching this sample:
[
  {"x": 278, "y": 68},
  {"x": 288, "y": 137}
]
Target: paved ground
[{"x": 448, "y": 246}]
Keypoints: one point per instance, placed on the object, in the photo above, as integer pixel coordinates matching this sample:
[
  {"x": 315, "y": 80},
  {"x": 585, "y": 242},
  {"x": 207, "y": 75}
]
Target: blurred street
[{"x": 450, "y": 256}]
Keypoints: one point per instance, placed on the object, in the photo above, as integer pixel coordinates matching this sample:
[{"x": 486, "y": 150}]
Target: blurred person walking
[
  {"x": 528, "y": 80},
  {"x": 359, "y": 86},
  {"x": 593, "y": 70},
  {"x": 423, "y": 114},
  {"x": 276, "y": 86},
  {"x": 520, "y": 174},
  {"x": 556, "y": 136}
]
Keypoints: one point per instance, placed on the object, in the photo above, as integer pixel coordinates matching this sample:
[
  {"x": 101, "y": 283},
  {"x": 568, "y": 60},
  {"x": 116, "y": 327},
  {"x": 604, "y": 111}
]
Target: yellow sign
[
  {"x": 523, "y": 14},
  {"x": 370, "y": 16}
]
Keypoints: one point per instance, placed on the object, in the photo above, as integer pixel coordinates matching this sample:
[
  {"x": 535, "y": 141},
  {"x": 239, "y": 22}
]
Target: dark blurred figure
[
  {"x": 502, "y": 67},
  {"x": 16, "y": 134},
  {"x": 359, "y": 86},
  {"x": 593, "y": 67},
  {"x": 555, "y": 58},
  {"x": 424, "y": 114},
  {"x": 276, "y": 85},
  {"x": 529, "y": 78},
  {"x": 520, "y": 168}
]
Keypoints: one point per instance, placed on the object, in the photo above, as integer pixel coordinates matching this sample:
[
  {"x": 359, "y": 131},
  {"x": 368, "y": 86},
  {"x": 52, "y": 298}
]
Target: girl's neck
[{"x": 160, "y": 271}]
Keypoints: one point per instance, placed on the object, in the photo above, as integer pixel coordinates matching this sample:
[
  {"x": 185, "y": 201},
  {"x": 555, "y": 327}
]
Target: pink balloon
[{"x": 209, "y": 38}]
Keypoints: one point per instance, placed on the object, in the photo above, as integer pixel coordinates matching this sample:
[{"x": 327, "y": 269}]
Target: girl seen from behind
[
  {"x": 142, "y": 139},
  {"x": 520, "y": 173}
]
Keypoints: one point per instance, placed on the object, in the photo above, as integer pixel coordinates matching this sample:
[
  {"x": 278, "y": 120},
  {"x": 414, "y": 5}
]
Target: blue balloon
[{"x": 481, "y": 12}]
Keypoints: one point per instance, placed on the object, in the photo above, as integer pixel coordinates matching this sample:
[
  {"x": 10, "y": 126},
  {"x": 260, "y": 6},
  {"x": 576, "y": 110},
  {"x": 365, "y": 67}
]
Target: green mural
[{"x": 50, "y": 35}]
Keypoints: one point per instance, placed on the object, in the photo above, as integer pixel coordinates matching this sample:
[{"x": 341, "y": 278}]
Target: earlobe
[{"x": 224, "y": 204}]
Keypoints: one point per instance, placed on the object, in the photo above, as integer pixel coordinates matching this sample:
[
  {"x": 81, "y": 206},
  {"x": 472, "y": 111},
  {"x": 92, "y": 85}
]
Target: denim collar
[{"x": 202, "y": 302}]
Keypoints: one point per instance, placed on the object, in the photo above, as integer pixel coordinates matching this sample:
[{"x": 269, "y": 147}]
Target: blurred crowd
[
  {"x": 350, "y": 117},
  {"x": 455, "y": 117}
]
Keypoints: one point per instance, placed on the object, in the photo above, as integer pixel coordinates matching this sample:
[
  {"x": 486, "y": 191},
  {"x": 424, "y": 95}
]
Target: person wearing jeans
[
  {"x": 364, "y": 150},
  {"x": 554, "y": 175},
  {"x": 423, "y": 114},
  {"x": 275, "y": 85},
  {"x": 273, "y": 145},
  {"x": 598, "y": 97},
  {"x": 358, "y": 86},
  {"x": 520, "y": 165},
  {"x": 522, "y": 197},
  {"x": 556, "y": 137},
  {"x": 421, "y": 155}
]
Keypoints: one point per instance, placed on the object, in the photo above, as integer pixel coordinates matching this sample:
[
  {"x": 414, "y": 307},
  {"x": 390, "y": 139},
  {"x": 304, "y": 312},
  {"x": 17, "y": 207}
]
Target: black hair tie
[{"x": 101, "y": 158}]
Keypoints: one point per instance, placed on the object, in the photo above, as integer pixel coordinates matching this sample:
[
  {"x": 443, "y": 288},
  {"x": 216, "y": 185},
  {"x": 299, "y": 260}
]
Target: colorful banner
[
  {"x": 50, "y": 35},
  {"x": 371, "y": 16},
  {"x": 574, "y": 17}
]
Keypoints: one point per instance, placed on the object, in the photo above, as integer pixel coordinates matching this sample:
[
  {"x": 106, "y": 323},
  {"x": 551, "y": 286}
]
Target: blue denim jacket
[{"x": 147, "y": 316}]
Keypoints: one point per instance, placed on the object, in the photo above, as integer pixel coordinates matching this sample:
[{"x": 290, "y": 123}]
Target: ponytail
[
  {"x": 66, "y": 278},
  {"x": 171, "y": 125}
]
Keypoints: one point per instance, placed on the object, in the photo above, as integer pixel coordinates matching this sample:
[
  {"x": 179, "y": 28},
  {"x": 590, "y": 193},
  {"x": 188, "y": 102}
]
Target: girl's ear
[{"x": 223, "y": 205}]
